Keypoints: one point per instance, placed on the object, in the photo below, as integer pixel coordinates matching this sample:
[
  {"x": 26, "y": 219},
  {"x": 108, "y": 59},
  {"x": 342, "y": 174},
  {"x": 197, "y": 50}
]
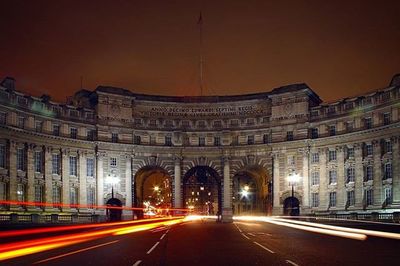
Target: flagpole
[{"x": 200, "y": 23}]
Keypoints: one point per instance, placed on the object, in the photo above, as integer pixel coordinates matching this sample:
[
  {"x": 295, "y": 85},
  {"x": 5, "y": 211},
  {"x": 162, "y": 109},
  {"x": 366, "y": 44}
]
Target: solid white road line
[
  {"x": 137, "y": 263},
  {"x": 162, "y": 236},
  {"x": 245, "y": 236},
  {"x": 267, "y": 249},
  {"x": 291, "y": 262},
  {"x": 153, "y": 247},
  {"x": 251, "y": 234}
]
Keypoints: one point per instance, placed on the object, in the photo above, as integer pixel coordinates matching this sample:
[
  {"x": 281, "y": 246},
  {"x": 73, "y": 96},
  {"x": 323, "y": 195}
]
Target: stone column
[
  {"x": 48, "y": 177},
  {"x": 396, "y": 171},
  {"x": 341, "y": 182},
  {"x": 100, "y": 180},
  {"x": 324, "y": 179},
  {"x": 30, "y": 171},
  {"x": 13, "y": 170},
  {"x": 227, "y": 192},
  {"x": 277, "y": 210},
  {"x": 378, "y": 175},
  {"x": 177, "y": 183},
  {"x": 306, "y": 179},
  {"x": 358, "y": 189},
  {"x": 82, "y": 179},
  {"x": 128, "y": 178},
  {"x": 65, "y": 179}
]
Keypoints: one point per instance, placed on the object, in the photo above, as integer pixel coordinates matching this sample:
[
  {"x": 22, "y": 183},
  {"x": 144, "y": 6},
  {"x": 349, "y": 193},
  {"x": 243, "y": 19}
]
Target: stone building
[{"x": 214, "y": 154}]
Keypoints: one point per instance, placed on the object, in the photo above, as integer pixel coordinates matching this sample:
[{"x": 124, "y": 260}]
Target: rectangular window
[
  {"x": 56, "y": 196},
  {"x": 3, "y": 191},
  {"x": 55, "y": 164},
  {"x": 314, "y": 178},
  {"x": 218, "y": 124},
  {"x": 332, "y": 130},
  {"x": 234, "y": 122},
  {"x": 202, "y": 141},
  {"x": 38, "y": 161},
  {"x": 388, "y": 195},
  {"x": 91, "y": 197},
  {"x": 90, "y": 167},
  {"x": 113, "y": 162},
  {"x": 169, "y": 123},
  {"x": 314, "y": 200},
  {"x": 73, "y": 163},
  {"x": 153, "y": 123},
  {"x": 331, "y": 110},
  {"x": 217, "y": 141},
  {"x": 90, "y": 134},
  {"x": 114, "y": 137},
  {"x": 369, "y": 173},
  {"x": 351, "y": 199},
  {"x": 21, "y": 122},
  {"x": 314, "y": 133},
  {"x": 387, "y": 171},
  {"x": 265, "y": 138},
  {"x": 388, "y": 146},
  {"x": 289, "y": 136},
  {"x": 332, "y": 155},
  {"x": 137, "y": 139},
  {"x": 73, "y": 196},
  {"x": 369, "y": 197},
  {"x": 386, "y": 118},
  {"x": 21, "y": 157},
  {"x": 369, "y": 149},
  {"x": 20, "y": 192},
  {"x": 315, "y": 157},
  {"x": 38, "y": 126},
  {"x": 349, "y": 126},
  {"x": 168, "y": 140},
  {"x": 56, "y": 130},
  {"x": 332, "y": 199},
  {"x": 138, "y": 121},
  {"x": 2, "y": 156},
  {"x": 73, "y": 133},
  {"x": 332, "y": 177},
  {"x": 250, "y": 140},
  {"x": 368, "y": 123},
  {"x": 39, "y": 193},
  {"x": 350, "y": 175},
  {"x": 350, "y": 153},
  {"x": 3, "y": 118}
]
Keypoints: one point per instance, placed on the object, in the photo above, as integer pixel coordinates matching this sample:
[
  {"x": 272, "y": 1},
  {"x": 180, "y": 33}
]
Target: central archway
[
  {"x": 202, "y": 190},
  {"x": 291, "y": 206}
]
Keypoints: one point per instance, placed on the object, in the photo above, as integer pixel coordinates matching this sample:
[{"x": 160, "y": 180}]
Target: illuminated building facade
[{"x": 215, "y": 154}]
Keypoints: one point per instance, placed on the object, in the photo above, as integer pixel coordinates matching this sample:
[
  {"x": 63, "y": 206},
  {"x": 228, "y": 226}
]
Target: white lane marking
[
  {"x": 267, "y": 249},
  {"x": 238, "y": 228},
  {"x": 153, "y": 247},
  {"x": 137, "y": 263},
  {"x": 245, "y": 236},
  {"x": 162, "y": 236},
  {"x": 251, "y": 234},
  {"x": 291, "y": 262}
]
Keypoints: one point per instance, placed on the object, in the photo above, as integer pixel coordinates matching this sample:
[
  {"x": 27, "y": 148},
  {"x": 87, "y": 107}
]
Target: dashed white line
[
  {"x": 291, "y": 262},
  {"x": 162, "y": 236},
  {"x": 137, "y": 263},
  {"x": 267, "y": 249},
  {"x": 238, "y": 228},
  {"x": 245, "y": 236},
  {"x": 251, "y": 234},
  {"x": 153, "y": 247}
]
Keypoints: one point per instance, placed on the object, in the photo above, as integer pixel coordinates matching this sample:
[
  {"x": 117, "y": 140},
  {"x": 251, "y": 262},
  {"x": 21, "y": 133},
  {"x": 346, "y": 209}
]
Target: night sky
[{"x": 340, "y": 49}]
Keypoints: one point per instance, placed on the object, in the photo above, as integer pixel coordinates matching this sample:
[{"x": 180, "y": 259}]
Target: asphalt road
[{"x": 211, "y": 243}]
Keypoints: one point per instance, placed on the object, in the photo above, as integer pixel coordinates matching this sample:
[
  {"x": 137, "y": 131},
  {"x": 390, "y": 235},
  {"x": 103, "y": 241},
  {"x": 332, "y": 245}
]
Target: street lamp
[
  {"x": 245, "y": 191},
  {"x": 112, "y": 180},
  {"x": 293, "y": 179}
]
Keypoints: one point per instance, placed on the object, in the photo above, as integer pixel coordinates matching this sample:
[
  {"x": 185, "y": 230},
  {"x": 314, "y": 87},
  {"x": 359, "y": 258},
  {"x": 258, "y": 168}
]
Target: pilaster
[
  {"x": 48, "y": 177},
  {"x": 177, "y": 182},
  {"x": 65, "y": 179},
  {"x": 341, "y": 182},
  {"x": 13, "y": 170},
  {"x": 323, "y": 197},
  {"x": 30, "y": 173},
  {"x": 100, "y": 180},
  {"x": 82, "y": 178},
  {"x": 359, "y": 171},
  {"x": 377, "y": 174},
  {"x": 227, "y": 192},
  {"x": 276, "y": 183},
  {"x": 396, "y": 171},
  {"x": 306, "y": 179}
]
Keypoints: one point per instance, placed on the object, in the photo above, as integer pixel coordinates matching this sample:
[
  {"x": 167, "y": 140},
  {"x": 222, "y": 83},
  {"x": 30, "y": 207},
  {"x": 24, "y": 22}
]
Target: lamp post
[
  {"x": 113, "y": 180},
  {"x": 293, "y": 179}
]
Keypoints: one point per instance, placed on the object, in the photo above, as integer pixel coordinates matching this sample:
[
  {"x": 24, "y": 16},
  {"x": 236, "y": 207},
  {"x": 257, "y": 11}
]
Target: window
[
  {"x": 21, "y": 163},
  {"x": 314, "y": 200},
  {"x": 314, "y": 133},
  {"x": 38, "y": 161},
  {"x": 20, "y": 192},
  {"x": 349, "y": 126},
  {"x": 73, "y": 113},
  {"x": 56, "y": 196},
  {"x": 73, "y": 166},
  {"x": 169, "y": 123},
  {"x": 314, "y": 178},
  {"x": 2, "y": 156},
  {"x": 218, "y": 124},
  {"x": 39, "y": 193},
  {"x": 368, "y": 123},
  {"x": 90, "y": 167},
  {"x": 291, "y": 160},
  {"x": 55, "y": 164},
  {"x": 56, "y": 130},
  {"x": 388, "y": 146},
  {"x": 73, "y": 133},
  {"x": 3, "y": 191},
  {"x": 90, "y": 134},
  {"x": 185, "y": 123},
  {"x": 388, "y": 195},
  {"x": 332, "y": 177},
  {"x": 351, "y": 200},
  {"x": 202, "y": 141},
  {"x": 350, "y": 152},
  {"x": 113, "y": 162},
  {"x": 387, "y": 171},
  {"x": 137, "y": 139},
  {"x": 138, "y": 121},
  {"x": 265, "y": 138},
  {"x": 315, "y": 157},
  {"x": 386, "y": 118},
  {"x": 332, "y": 130},
  {"x": 368, "y": 173},
  {"x": 91, "y": 197},
  {"x": 153, "y": 123},
  {"x": 332, "y": 155},
  {"x": 369, "y": 197},
  {"x": 289, "y": 136},
  {"x": 331, "y": 110},
  {"x": 217, "y": 141},
  {"x": 369, "y": 149},
  {"x": 3, "y": 118},
  {"x": 38, "y": 126},
  {"x": 250, "y": 139},
  {"x": 250, "y": 121},
  {"x": 168, "y": 140},
  {"x": 21, "y": 122},
  {"x": 114, "y": 137},
  {"x": 350, "y": 174},
  {"x": 234, "y": 122},
  {"x": 348, "y": 106},
  {"x": 332, "y": 199},
  {"x": 73, "y": 196}
]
